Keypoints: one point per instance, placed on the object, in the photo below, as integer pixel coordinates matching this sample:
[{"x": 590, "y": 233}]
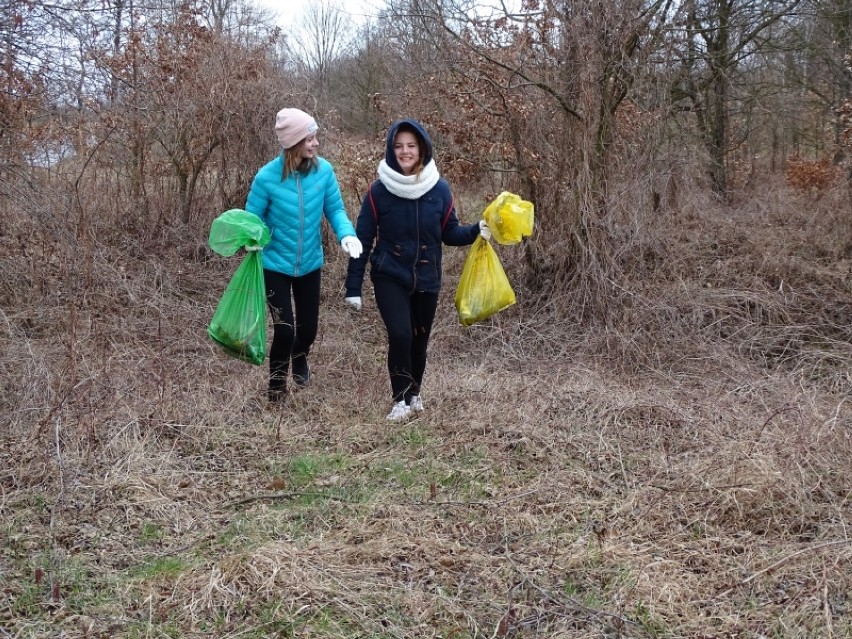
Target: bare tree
[
  {"x": 546, "y": 82},
  {"x": 31, "y": 50},
  {"x": 822, "y": 67},
  {"x": 198, "y": 91},
  {"x": 362, "y": 74},
  {"x": 718, "y": 37},
  {"x": 320, "y": 42},
  {"x": 145, "y": 94}
]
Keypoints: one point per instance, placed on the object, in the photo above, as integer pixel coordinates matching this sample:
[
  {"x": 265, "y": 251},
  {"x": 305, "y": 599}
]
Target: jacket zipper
[
  {"x": 299, "y": 240},
  {"x": 416, "y": 245}
]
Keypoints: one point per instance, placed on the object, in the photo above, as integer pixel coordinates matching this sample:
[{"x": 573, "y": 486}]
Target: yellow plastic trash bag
[
  {"x": 483, "y": 288},
  {"x": 510, "y": 218}
]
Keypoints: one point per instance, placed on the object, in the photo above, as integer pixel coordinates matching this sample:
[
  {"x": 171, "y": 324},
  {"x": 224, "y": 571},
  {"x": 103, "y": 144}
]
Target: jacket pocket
[
  {"x": 377, "y": 260},
  {"x": 429, "y": 267}
]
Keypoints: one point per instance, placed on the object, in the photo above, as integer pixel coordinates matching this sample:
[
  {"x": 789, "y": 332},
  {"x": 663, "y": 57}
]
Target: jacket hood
[{"x": 390, "y": 158}]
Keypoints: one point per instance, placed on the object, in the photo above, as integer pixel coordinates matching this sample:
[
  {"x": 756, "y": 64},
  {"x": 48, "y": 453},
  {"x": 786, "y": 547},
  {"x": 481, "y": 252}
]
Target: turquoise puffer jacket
[{"x": 293, "y": 209}]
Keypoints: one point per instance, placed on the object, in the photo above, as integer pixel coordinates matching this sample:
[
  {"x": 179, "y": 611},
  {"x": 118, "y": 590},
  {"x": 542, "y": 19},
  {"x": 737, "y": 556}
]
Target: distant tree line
[{"x": 163, "y": 109}]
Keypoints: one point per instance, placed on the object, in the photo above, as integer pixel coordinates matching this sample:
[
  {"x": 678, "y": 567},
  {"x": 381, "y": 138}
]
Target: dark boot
[
  {"x": 301, "y": 371},
  {"x": 277, "y": 391}
]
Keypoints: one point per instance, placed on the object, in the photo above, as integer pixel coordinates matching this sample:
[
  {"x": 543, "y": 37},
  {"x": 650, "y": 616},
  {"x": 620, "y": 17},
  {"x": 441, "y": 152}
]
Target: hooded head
[
  {"x": 292, "y": 126},
  {"x": 423, "y": 140}
]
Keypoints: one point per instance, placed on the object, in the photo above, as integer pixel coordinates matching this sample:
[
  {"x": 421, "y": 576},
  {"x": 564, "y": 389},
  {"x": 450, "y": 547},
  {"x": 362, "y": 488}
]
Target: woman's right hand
[
  {"x": 352, "y": 246},
  {"x": 354, "y": 302}
]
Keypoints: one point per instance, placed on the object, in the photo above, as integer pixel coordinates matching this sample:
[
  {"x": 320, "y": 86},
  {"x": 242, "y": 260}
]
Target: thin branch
[{"x": 783, "y": 560}]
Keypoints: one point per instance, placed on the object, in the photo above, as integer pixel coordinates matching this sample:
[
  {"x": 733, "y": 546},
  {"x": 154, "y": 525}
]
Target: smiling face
[
  {"x": 308, "y": 147},
  {"x": 407, "y": 152}
]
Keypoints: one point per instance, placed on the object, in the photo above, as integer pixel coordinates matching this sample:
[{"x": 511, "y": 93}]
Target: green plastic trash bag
[
  {"x": 510, "y": 218},
  {"x": 239, "y": 323},
  {"x": 236, "y": 229}
]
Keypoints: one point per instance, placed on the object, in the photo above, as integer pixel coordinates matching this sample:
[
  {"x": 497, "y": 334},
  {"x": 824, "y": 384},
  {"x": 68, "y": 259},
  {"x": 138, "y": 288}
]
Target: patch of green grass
[
  {"x": 400, "y": 472},
  {"x": 470, "y": 486},
  {"x": 76, "y": 586},
  {"x": 305, "y": 470},
  {"x": 212, "y": 627},
  {"x": 417, "y": 475},
  {"x": 237, "y": 535},
  {"x": 413, "y": 437},
  {"x": 146, "y": 629},
  {"x": 473, "y": 475},
  {"x": 150, "y": 532},
  {"x": 90, "y": 594},
  {"x": 465, "y": 484},
  {"x": 651, "y": 623},
  {"x": 160, "y": 568},
  {"x": 291, "y": 519},
  {"x": 571, "y": 589},
  {"x": 591, "y": 600},
  {"x": 27, "y": 602},
  {"x": 275, "y": 620},
  {"x": 327, "y": 623},
  {"x": 298, "y": 520},
  {"x": 38, "y": 502},
  {"x": 597, "y": 584}
]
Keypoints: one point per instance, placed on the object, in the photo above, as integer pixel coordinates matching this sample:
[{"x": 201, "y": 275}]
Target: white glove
[
  {"x": 484, "y": 231},
  {"x": 354, "y": 302},
  {"x": 352, "y": 245},
  {"x": 253, "y": 248}
]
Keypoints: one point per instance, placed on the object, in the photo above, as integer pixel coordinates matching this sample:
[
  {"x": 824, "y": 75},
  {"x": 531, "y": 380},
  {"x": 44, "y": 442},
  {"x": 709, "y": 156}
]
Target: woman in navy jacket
[{"x": 405, "y": 217}]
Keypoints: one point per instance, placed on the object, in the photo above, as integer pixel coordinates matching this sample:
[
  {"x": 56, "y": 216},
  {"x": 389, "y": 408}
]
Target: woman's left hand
[{"x": 484, "y": 231}]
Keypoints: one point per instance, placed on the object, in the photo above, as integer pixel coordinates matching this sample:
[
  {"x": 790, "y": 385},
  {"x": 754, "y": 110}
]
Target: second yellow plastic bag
[
  {"x": 483, "y": 288},
  {"x": 510, "y": 218}
]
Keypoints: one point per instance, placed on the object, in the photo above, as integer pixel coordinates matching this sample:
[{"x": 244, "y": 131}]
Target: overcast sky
[{"x": 287, "y": 14}]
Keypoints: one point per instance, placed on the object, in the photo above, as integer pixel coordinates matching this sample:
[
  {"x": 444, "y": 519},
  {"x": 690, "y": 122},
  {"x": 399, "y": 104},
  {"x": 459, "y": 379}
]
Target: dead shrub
[{"x": 810, "y": 176}]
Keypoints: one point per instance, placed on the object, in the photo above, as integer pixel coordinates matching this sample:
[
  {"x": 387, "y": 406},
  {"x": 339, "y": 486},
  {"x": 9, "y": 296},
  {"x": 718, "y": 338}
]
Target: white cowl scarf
[{"x": 409, "y": 187}]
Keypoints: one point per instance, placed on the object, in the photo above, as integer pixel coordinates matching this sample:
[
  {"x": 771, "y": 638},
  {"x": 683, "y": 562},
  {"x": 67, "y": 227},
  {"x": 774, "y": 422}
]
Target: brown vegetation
[
  {"x": 653, "y": 442},
  {"x": 680, "y": 470},
  {"x": 811, "y": 176}
]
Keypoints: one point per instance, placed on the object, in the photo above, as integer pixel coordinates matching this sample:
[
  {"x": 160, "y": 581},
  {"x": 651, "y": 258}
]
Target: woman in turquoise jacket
[{"x": 291, "y": 194}]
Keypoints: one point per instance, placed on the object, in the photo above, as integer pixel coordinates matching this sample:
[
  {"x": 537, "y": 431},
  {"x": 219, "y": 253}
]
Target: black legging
[
  {"x": 291, "y": 337},
  {"x": 408, "y": 319}
]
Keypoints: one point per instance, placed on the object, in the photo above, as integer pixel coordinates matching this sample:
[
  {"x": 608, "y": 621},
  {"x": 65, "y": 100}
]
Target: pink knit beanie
[{"x": 292, "y": 126}]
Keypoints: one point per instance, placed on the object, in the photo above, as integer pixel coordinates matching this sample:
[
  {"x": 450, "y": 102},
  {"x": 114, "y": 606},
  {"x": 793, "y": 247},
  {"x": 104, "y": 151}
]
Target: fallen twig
[{"x": 783, "y": 560}]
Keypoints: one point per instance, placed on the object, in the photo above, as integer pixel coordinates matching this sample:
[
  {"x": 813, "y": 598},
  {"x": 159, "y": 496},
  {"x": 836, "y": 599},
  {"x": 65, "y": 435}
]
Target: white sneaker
[
  {"x": 416, "y": 404},
  {"x": 399, "y": 411}
]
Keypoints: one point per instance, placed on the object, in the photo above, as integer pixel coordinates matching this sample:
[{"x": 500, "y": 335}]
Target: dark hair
[{"x": 422, "y": 149}]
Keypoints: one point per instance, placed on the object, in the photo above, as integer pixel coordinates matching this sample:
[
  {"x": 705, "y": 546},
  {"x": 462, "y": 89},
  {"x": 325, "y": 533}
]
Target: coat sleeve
[
  {"x": 366, "y": 229},
  {"x": 454, "y": 233},
  {"x": 257, "y": 201},
  {"x": 335, "y": 210}
]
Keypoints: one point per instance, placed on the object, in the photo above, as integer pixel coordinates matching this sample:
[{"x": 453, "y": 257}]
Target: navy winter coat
[{"x": 402, "y": 237}]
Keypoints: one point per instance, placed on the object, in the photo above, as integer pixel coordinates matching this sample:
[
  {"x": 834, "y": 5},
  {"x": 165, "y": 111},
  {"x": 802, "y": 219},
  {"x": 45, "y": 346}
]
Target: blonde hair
[{"x": 295, "y": 163}]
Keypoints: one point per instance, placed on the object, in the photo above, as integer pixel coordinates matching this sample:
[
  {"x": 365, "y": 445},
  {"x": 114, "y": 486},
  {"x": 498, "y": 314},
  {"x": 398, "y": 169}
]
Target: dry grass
[{"x": 678, "y": 471}]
